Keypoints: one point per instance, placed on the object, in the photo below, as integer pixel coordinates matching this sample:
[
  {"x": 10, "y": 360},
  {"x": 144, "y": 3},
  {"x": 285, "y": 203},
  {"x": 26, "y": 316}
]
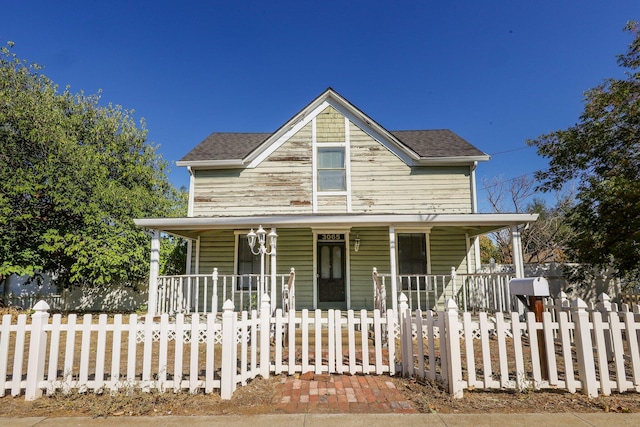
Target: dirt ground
[{"x": 261, "y": 395}]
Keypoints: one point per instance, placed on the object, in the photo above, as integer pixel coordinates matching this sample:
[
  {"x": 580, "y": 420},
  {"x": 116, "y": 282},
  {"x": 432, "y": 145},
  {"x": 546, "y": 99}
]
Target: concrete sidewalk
[{"x": 355, "y": 420}]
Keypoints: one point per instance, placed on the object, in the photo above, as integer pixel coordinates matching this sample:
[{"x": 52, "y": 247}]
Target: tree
[
  {"x": 601, "y": 153},
  {"x": 73, "y": 176},
  {"x": 488, "y": 251},
  {"x": 543, "y": 240}
]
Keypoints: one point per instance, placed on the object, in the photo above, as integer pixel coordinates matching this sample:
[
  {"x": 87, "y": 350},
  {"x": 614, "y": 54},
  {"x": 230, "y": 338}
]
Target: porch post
[
  {"x": 516, "y": 245},
  {"x": 273, "y": 281},
  {"x": 154, "y": 270},
  {"x": 394, "y": 268}
]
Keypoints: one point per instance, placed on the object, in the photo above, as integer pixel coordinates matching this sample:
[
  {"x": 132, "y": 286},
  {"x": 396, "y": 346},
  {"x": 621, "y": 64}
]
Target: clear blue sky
[{"x": 495, "y": 72}]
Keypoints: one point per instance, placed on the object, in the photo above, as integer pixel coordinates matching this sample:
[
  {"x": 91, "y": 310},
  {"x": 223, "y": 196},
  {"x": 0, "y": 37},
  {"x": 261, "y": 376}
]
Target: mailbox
[
  {"x": 534, "y": 289},
  {"x": 529, "y": 286}
]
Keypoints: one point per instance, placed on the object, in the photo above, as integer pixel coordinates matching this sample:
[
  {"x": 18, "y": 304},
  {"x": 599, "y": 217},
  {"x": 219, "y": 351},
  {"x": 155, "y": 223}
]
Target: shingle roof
[
  {"x": 425, "y": 143},
  {"x": 226, "y": 146},
  {"x": 436, "y": 143}
]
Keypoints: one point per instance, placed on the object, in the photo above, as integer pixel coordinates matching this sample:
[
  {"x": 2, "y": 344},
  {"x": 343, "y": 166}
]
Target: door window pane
[
  {"x": 325, "y": 263},
  {"x": 337, "y": 262}
]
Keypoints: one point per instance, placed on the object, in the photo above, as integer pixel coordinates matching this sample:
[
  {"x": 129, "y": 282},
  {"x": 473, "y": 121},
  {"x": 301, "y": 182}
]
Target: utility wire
[
  {"x": 506, "y": 180},
  {"x": 509, "y": 151}
]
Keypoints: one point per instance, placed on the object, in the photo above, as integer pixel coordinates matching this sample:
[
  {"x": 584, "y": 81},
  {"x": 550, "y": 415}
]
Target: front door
[{"x": 331, "y": 271}]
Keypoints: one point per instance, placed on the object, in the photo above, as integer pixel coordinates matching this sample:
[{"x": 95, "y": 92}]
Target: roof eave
[
  {"x": 492, "y": 221},
  {"x": 443, "y": 161},
  {"x": 212, "y": 164}
]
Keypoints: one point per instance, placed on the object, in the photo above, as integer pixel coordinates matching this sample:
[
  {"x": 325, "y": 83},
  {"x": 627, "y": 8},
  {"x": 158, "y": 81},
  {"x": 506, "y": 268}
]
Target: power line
[
  {"x": 510, "y": 151},
  {"x": 506, "y": 180}
]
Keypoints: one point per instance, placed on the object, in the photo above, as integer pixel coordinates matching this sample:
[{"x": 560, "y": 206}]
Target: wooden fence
[
  {"x": 573, "y": 348},
  {"x": 195, "y": 353}
]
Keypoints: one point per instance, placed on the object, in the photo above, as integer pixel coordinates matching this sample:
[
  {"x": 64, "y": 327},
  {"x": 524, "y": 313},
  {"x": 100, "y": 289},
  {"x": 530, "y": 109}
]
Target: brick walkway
[{"x": 309, "y": 393}]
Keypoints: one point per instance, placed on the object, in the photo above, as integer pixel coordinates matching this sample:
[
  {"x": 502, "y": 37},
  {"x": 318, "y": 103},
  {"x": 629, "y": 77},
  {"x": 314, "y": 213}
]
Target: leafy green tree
[
  {"x": 73, "y": 176},
  {"x": 489, "y": 250},
  {"x": 601, "y": 154}
]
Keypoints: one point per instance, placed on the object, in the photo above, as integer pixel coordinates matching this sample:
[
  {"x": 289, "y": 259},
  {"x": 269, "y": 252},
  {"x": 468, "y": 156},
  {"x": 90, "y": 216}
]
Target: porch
[{"x": 206, "y": 293}]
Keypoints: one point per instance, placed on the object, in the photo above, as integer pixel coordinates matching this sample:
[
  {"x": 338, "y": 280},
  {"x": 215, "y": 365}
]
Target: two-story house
[{"x": 343, "y": 194}]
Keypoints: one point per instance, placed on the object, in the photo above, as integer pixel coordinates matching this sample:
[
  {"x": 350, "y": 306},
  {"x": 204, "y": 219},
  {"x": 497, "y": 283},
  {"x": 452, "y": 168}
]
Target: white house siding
[
  {"x": 374, "y": 252},
  {"x": 448, "y": 249},
  {"x": 217, "y": 249},
  {"x": 382, "y": 183},
  {"x": 279, "y": 185},
  {"x": 295, "y": 249}
]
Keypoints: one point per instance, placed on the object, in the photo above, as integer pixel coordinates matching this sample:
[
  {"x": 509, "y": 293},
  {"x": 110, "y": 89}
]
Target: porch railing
[
  {"x": 472, "y": 292},
  {"x": 205, "y": 293}
]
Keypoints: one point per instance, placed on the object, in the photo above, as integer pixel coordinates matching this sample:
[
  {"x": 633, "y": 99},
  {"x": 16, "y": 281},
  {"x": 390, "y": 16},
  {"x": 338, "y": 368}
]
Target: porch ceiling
[{"x": 474, "y": 224}]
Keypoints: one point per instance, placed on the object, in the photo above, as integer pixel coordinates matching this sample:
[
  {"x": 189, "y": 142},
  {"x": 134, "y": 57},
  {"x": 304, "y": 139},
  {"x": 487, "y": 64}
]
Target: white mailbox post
[{"x": 535, "y": 288}]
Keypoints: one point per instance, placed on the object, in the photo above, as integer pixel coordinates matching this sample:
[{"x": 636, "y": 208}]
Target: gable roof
[{"x": 440, "y": 146}]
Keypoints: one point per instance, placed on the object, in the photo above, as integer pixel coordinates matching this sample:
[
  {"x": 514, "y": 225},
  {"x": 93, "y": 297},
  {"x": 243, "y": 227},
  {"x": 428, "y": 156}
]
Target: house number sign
[{"x": 330, "y": 237}]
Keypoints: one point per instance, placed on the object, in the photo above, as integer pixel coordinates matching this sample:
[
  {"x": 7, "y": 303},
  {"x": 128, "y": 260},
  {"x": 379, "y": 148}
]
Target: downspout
[
  {"x": 189, "y": 215},
  {"x": 474, "y": 208}
]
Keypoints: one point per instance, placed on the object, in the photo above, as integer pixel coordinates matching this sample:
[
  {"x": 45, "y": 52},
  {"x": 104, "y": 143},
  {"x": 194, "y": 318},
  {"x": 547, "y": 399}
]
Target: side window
[
  {"x": 412, "y": 257},
  {"x": 248, "y": 264},
  {"x": 331, "y": 169}
]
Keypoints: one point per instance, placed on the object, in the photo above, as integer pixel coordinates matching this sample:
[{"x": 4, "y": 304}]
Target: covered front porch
[
  {"x": 206, "y": 293},
  {"x": 333, "y": 261}
]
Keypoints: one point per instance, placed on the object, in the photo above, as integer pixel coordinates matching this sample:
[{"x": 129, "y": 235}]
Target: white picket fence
[
  {"x": 194, "y": 353},
  {"x": 573, "y": 348}
]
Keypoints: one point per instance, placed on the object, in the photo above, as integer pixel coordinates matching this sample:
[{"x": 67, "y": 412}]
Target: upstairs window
[{"x": 331, "y": 169}]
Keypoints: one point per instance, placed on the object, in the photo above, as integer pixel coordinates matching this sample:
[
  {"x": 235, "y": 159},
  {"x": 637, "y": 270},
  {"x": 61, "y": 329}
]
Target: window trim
[
  {"x": 343, "y": 169},
  {"x": 347, "y": 166}
]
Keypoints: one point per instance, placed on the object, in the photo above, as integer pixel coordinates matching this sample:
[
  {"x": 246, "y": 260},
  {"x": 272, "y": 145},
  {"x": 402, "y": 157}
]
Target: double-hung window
[
  {"x": 412, "y": 260},
  {"x": 331, "y": 169},
  {"x": 248, "y": 264}
]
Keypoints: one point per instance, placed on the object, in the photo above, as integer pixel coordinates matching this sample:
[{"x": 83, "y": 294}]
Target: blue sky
[{"x": 495, "y": 72}]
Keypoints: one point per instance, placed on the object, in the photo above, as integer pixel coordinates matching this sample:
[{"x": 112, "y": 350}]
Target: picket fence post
[
  {"x": 604, "y": 306},
  {"x": 214, "y": 291},
  {"x": 404, "y": 317},
  {"x": 228, "y": 367},
  {"x": 584, "y": 348},
  {"x": 265, "y": 335},
  {"x": 37, "y": 351},
  {"x": 451, "y": 337}
]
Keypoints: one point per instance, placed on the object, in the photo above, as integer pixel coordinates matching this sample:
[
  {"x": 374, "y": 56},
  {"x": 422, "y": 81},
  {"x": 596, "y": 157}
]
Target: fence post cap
[
  {"x": 579, "y": 304},
  {"x": 451, "y": 305},
  {"x": 265, "y": 298},
  {"x": 603, "y": 297},
  {"x": 403, "y": 298},
  {"x": 41, "y": 306},
  {"x": 228, "y": 305}
]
